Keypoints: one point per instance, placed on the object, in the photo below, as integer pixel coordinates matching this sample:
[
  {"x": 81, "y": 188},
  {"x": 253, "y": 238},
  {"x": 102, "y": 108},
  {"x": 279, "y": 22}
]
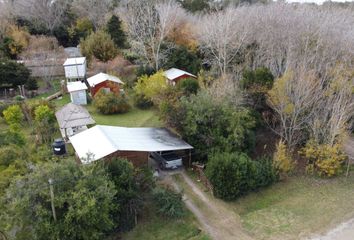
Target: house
[
  {"x": 174, "y": 75},
  {"x": 75, "y": 68},
  {"x": 108, "y": 82},
  {"x": 135, "y": 144},
  {"x": 77, "y": 92},
  {"x": 73, "y": 119}
]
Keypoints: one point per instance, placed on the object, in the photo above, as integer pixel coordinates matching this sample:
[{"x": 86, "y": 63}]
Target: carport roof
[{"x": 100, "y": 141}]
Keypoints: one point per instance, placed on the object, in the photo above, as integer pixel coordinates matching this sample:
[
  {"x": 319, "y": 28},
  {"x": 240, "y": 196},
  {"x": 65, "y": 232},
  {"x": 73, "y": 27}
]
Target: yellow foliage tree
[
  {"x": 282, "y": 160},
  {"x": 327, "y": 160},
  {"x": 20, "y": 39},
  {"x": 152, "y": 87}
]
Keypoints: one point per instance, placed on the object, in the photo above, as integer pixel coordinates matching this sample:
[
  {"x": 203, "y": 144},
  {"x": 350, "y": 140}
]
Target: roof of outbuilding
[
  {"x": 174, "y": 73},
  {"x": 76, "y": 86},
  {"x": 101, "y": 141},
  {"x": 72, "y": 115},
  {"x": 74, "y": 61},
  {"x": 101, "y": 77}
]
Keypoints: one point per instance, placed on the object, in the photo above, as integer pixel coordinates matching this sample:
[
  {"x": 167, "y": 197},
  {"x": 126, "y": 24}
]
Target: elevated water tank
[{"x": 59, "y": 147}]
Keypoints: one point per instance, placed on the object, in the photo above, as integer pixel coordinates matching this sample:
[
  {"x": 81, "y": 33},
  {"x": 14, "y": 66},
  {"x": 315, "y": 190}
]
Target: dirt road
[
  {"x": 344, "y": 231},
  {"x": 218, "y": 221}
]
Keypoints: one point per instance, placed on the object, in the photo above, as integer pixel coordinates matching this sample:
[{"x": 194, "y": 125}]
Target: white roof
[
  {"x": 76, "y": 86},
  {"x": 101, "y": 77},
  {"x": 74, "y": 61},
  {"x": 174, "y": 73},
  {"x": 100, "y": 141}
]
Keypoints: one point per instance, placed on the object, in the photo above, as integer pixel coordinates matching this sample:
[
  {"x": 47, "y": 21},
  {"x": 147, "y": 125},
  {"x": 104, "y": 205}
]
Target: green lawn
[
  {"x": 134, "y": 118},
  {"x": 154, "y": 227},
  {"x": 297, "y": 207}
]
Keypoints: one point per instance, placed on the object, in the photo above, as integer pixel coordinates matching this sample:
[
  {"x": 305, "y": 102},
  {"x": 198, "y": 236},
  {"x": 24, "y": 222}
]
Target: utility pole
[{"x": 52, "y": 198}]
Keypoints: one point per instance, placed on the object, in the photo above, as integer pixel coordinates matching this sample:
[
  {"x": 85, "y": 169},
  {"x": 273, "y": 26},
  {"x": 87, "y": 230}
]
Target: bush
[
  {"x": 168, "y": 202},
  {"x": 141, "y": 101},
  {"x": 13, "y": 115},
  {"x": 235, "y": 174},
  {"x": 9, "y": 154},
  {"x": 283, "y": 162},
  {"x": 44, "y": 121},
  {"x": 188, "y": 86},
  {"x": 144, "y": 70},
  {"x": 324, "y": 159},
  {"x": 31, "y": 84},
  {"x": 100, "y": 45},
  {"x": 109, "y": 103}
]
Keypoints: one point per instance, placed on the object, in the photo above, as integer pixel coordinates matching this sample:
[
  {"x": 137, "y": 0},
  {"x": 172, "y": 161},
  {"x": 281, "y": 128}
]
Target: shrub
[
  {"x": 324, "y": 159},
  {"x": 141, "y": 101},
  {"x": 8, "y": 154},
  {"x": 31, "y": 84},
  {"x": 144, "y": 70},
  {"x": 100, "y": 45},
  {"x": 188, "y": 86},
  {"x": 13, "y": 115},
  {"x": 235, "y": 174},
  {"x": 109, "y": 103},
  {"x": 44, "y": 120},
  {"x": 283, "y": 163},
  {"x": 169, "y": 203}
]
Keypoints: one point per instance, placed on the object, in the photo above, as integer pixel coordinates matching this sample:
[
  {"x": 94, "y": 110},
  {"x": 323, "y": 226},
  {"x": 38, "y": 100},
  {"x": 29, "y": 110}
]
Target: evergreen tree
[{"x": 114, "y": 28}]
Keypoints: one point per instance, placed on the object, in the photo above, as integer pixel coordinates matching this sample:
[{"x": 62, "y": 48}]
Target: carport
[{"x": 135, "y": 144}]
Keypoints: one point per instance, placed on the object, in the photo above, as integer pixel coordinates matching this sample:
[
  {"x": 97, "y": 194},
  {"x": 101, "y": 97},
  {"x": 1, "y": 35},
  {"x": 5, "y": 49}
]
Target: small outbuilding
[
  {"x": 174, "y": 75},
  {"x": 104, "y": 81},
  {"x": 75, "y": 68},
  {"x": 135, "y": 144},
  {"x": 77, "y": 92},
  {"x": 73, "y": 119}
]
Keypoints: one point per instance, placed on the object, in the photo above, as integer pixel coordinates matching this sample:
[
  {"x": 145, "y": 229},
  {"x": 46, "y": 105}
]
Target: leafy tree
[
  {"x": 100, "y": 45},
  {"x": 169, "y": 203},
  {"x": 114, "y": 28},
  {"x": 45, "y": 122},
  {"x": 31, "y": 84},
  {"x": 209, "y": 124},
  {"x": 128, "y": 197},
  {"x": 109, "y": 103},
  {"x": 13, "y": 73},
  {"x": 152, "y": 87},
  {"x": 195, "y": 5},
  {"x": 235, "y": 174},
  {"x": 188, "y": 86},
  {"x": 83, "y": 201},
  {"x": 256, "y": 85},
  {"x": 182, "y": 58},
  {"x": 82, "y": 28}
]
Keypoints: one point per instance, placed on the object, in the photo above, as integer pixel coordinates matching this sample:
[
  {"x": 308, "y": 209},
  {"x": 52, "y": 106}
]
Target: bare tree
[
  {"x": 222, "y": 34},
  {"x": 95, "y": 10},
  {"x": 44, "y": 12},
  {"x": 149, "y": 22},
  {"x": 293, "y": 98},
  {"x": 334, "y": 112}
]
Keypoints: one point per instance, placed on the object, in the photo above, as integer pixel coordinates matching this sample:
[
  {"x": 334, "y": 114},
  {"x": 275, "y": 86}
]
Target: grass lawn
[
  {"x": 134, "y": 118},
  {"x": 297, "y": 207},
  {"x": 154, "y": 227}
]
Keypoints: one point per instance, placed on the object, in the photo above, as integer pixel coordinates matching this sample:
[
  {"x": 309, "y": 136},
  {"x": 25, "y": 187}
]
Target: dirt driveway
[{"x": 219, "y": 222}]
